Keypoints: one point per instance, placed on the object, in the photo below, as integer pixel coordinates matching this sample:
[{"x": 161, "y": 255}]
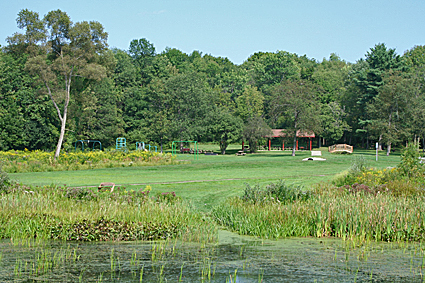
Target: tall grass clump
[
  {"x": 80, "y": 214},
  {"x": 330, "y": 211},
  {"x": 279, "y": 192}
]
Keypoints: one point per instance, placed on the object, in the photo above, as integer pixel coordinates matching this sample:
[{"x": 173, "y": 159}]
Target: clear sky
[{"x": 237, "y": 29}]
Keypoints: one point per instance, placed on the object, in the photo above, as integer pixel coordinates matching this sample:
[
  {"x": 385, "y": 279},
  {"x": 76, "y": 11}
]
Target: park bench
[
  {"x": 316, "y": 153},
  {"x": 185, "y": 150},
  {"x": 106, "y": 184}
]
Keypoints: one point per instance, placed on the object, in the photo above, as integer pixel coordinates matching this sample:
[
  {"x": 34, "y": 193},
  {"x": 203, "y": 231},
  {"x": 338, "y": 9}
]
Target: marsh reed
[
  {"x": 381, "y": 217},
  {"x": 53, "y": 213}
]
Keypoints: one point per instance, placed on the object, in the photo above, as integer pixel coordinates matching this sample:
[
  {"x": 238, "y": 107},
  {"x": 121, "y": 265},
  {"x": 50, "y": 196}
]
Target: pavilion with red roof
[{"x": 281, "y": 133}]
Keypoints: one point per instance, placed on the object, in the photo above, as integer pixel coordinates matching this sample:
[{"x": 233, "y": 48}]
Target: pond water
[{"x": 233, "y": 259}]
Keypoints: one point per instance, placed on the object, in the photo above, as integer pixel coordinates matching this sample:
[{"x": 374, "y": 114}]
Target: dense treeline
[{"x": 59, "y": 80}]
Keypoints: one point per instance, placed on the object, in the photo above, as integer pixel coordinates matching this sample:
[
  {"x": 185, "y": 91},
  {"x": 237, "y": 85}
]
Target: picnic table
[{"x": 240, "y": 153}]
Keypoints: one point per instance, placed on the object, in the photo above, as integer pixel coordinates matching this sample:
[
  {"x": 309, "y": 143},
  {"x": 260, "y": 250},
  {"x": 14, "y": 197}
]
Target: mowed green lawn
[{"x": 210, "y": 179}]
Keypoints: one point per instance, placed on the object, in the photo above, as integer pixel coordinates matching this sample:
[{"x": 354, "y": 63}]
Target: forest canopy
[{"x": 60, "y": 82}]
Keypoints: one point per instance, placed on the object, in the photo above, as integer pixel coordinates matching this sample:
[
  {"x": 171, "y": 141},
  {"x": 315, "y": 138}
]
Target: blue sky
[{"x": 237, "y": 29}]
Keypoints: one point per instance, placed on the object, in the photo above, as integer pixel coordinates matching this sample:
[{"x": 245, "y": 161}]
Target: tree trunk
[
  {"x": 223, "y": 146},
  {"x": 295, "y": 143},
  {"x": 388, "y": 148},
  {"x": 62, "y": 134},
  {"x": 367, "y": 141}
]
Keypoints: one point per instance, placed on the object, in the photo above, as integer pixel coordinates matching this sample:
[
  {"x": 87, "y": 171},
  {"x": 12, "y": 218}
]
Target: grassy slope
[{"x": 210, "y": 179}]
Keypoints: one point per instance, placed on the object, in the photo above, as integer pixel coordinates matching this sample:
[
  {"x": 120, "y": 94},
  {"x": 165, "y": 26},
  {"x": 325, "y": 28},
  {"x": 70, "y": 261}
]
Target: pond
[{"x": 233, "y": 259}]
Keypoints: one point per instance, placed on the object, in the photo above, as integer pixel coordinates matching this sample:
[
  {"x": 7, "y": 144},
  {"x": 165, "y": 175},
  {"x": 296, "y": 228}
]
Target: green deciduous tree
[
  {"x": 27, "y": 116},
  {"x": 255, "y": 128},
  {"x": 388, "y": 109},
  {"x": 224, "y": 127},
  {"x": 296, "y": 104},
  {"x": 66, "y": 51},
  {"x": 333, "y": 121},
  {"x": 250, "y": 103},
  {"x": 267, "y": 69},
  {"x": 190, "y": 98},
  {"x": 331, "y": 75}
]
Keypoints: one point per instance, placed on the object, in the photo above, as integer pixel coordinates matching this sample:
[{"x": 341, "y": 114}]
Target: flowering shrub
[
  {"x": 407, "y": 179},
  {"x": 372, "y": 177},
  {"x": 15, "y": 161},
  {"x": 411, "y": 165}
]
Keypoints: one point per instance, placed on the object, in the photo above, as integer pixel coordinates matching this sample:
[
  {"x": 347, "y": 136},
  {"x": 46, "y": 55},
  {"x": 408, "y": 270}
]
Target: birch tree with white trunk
[{"x": 59, "y": 51}]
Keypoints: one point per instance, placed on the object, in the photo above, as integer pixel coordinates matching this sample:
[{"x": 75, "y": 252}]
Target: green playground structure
[
  {"x": 94, "y": 142},
  {"x": 143, "y": 146},
  {"x": 121, "y": 144}
]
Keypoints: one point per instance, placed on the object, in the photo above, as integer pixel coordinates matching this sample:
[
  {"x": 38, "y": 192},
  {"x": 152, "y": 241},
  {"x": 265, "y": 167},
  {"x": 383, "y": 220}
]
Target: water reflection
[{"x": 233, "y": 259}]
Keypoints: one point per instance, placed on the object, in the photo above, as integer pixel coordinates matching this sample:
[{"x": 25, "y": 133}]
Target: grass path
[{"x": 210, "y": 179}]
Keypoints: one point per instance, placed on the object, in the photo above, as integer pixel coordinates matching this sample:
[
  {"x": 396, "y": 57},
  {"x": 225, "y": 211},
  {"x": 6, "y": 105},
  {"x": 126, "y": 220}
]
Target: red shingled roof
[{"x": 300, "y": 134}]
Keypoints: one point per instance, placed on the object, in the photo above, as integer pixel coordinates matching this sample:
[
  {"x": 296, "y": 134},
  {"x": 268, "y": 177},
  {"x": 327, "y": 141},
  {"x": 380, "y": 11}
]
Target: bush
[
  {"x": 348, "y": 177},
  {"x": 359, "y": 165},
  {"x": 253, "y": 194},
  {"x": 410, "y": 165}
]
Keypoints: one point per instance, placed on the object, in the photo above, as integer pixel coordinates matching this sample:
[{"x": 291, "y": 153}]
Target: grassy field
[{"x": 209, "y": 180}]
